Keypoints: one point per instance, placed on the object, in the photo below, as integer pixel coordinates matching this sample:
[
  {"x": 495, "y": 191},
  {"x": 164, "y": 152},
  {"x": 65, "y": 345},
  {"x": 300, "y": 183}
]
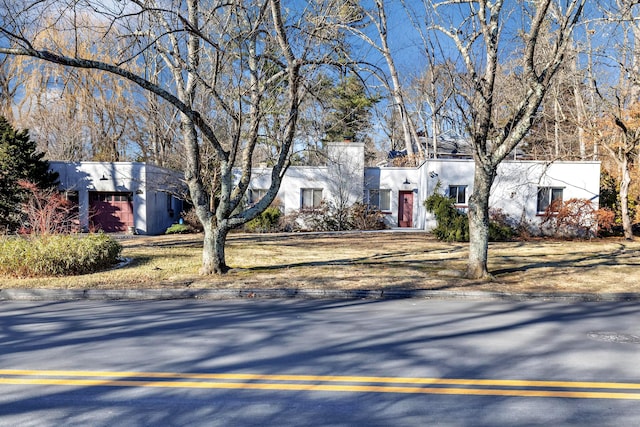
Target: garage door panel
[{"x": 111, "y": 212}]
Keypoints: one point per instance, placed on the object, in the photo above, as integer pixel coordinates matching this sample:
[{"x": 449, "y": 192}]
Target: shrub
[
  {"x": 179, "y": 229},
  {"x": 320, "y": 218},
  {"x": 500, "y": 226},
  {"x": 191, "y": 219},
  {"x": 453, "y": 225},
  {"x": 327, "y": 217},
  {"x": 267, "y": 221},
  {"x": 47, "y": 211},
  {"x": 366, "y": 217},
  {"x": 606, "y": 221},
  {"x": 57, "y": 255},
  {"x": 575, "y": 218}
]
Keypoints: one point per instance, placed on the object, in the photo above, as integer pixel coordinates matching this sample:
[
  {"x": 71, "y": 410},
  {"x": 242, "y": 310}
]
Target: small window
[
  {"x": 458, "y": 193},
  {"x": 311, "y": 198},
  {"x": 74, "y": 198},
  {"x": 549, "y": 199},
  {"x": 381, "y": 199},
  {"x": 110, "y": 197},
  {"x": 255, "y": 194}
]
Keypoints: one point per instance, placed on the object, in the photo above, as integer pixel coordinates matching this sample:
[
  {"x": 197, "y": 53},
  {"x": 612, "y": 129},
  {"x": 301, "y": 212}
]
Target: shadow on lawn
[
  {"x": 621, "y": 256},
  {"x": 414, "y": 272},
  {"x": 404, "y": 260}
]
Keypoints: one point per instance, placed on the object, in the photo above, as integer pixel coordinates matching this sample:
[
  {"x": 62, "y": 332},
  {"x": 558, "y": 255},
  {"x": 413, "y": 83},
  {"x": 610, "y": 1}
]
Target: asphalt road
[{"x": 317, "y": 362}]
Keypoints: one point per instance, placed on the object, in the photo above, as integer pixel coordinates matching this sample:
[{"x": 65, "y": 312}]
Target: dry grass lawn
[{"x": 371, "y": 261}]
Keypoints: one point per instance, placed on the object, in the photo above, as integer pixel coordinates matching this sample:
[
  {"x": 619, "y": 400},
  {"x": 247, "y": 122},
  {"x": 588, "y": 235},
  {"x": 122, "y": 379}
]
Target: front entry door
[{"x": 405, "y": 209}]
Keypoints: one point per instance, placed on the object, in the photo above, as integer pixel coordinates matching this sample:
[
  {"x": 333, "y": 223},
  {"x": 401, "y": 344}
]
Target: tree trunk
[
  {"x": 213, "y": 254},
  {"x": 624, "y": 198},
  {"x": 479, "y": 222}
]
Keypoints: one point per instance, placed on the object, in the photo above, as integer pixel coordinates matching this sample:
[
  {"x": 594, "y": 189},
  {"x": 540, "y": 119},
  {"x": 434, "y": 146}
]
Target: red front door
[{"x": 405, "y": 209}]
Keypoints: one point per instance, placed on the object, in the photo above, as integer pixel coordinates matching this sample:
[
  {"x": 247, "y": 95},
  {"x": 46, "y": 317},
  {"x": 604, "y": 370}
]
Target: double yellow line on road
[{"x": 358, "y": 384}]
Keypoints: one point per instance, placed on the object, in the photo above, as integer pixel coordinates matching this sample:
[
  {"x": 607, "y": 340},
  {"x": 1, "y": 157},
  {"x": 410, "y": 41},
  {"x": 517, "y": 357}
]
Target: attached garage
[
  {"x": 122, "y": 197},
  {"x": 111, "y": 212}
]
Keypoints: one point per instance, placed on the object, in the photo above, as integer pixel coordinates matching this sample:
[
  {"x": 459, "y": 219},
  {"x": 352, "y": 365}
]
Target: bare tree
[
  {"x": 619, "y": 129},
  {"x": 373, "y": 29},
  {"x": 476, "y": 29},
  {"x": 430, "y": 94},
  {"x": 77, "y": 114},
  {"x": 559, "y": 130},
  {"x": 10, "y": 81},
  {"x": 232, "y": 68}
]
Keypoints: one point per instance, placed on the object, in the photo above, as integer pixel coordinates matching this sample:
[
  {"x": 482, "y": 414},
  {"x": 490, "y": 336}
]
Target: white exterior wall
[
  {"x": 514, "y": 190},
  {"x": 161, "y": 184},
  {"x": 148, "y": 185},
  {"x": 346, "y": 172},
  {"x": 297, "y": 177},
  {"x": 396, "y": 179},
  {"x": 341, "y": 180},
  {"x": 516, "y": 186}
]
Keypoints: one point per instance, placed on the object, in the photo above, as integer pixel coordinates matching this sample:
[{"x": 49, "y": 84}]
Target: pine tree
[
  {"x": 19, "y": 160},
  {"x": 351, "y": 115}
]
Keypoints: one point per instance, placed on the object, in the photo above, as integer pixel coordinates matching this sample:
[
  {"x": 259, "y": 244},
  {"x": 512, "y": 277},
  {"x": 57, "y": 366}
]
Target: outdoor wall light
[
  {"x": 406, "y": 181},
  {"x": 104, "y": 178},
  {"x": 433, "y": 174}
]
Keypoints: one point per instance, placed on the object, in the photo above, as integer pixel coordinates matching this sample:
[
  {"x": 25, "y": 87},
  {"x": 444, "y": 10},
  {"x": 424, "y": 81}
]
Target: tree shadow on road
[{"x": 410, "y": 338}]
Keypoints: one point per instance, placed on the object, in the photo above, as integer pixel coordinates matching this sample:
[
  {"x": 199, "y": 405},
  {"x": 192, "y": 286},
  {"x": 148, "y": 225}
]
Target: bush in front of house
[
  {"x": 501, "y": 226},
  {"x": 46, "y": 211},
  {"x": 191, "y": 219},
  {"x": 453, "y": 225},
  {"x": 576, "y": 219},
  {"x": 358, "y": 216},
  {"x": 267, "y": 221},
  {"x": 366, "y": 217},
  {"x": 319, "y": 218},
  {"x": 179, "y": 229},
  {"x": 57, "y": 255}
]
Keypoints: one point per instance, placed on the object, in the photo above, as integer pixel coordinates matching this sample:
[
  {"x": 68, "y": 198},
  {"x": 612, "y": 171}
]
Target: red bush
[
  {"x": 577, "y": 218},
  {"x": 46, "y": 211}
]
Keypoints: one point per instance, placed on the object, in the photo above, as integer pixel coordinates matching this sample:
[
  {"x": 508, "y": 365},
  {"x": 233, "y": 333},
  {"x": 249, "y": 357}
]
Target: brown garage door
[{"x": 111, "y": 212}]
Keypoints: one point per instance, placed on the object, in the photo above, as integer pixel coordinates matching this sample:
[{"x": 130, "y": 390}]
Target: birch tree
[
  {"x": 476, "y": 29},
  {"x": 232, "y": 68}
]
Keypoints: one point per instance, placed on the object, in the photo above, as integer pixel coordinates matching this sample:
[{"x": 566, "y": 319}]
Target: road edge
[{"x": 222, "y": 294}]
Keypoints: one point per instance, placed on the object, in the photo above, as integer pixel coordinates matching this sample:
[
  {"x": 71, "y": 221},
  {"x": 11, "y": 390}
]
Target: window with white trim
[
  {"x": 255, "y": 194},
  {"x": 458, "y": 193},
  {"x": 310, "y": 198},
  {"x": 549, "y": 199},
  {"x": 379, "y": 198}
]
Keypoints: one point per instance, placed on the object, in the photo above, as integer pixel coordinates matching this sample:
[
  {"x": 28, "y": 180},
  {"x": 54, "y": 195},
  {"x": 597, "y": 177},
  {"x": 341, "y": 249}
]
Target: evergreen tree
[
  {"x": 19, "y": 160},
  {"x": 350, "y": 118}
]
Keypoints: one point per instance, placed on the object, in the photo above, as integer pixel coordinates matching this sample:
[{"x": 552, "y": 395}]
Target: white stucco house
[
  {"x": 523, "y": 189},
  {"x": 122, "y": 196},
  {"x": 141, "y": 198}
]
